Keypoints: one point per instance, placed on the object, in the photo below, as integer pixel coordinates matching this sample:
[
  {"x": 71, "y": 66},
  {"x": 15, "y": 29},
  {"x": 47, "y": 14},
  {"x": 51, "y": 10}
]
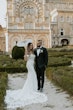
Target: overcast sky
[{"x": 2, "y": 12}]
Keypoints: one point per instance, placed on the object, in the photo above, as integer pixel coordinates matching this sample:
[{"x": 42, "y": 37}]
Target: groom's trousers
[{"x": 40, "y": 76}]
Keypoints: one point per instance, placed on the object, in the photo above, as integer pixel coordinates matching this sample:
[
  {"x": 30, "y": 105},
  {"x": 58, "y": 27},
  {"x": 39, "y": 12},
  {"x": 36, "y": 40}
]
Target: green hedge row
[
  {"x": 59, "y": 70},
  {"x": 61, "y": 49},
  {"x": 62, "y": 76},
  {"x": 58, "y": 61},
  {"x": 3, "y": 86},
  {"x": 56, "y": 58},
  {"x": 13, "y": 70},
  {"x": 60, "y": 54},
  {"x": 10, "y": 65}
]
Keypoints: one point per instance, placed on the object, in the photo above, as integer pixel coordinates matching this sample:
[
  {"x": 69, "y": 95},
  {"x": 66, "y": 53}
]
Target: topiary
[{"x": 18, "y": 52}]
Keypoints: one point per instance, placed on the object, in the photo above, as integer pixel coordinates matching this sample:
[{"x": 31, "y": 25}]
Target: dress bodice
[
  {"x": 30, "y": 61},
  {"x": 31, "y": 57}
]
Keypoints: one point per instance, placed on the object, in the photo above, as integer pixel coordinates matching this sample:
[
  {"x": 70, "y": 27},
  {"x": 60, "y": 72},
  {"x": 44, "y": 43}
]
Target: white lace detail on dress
[{"x": 28, "y": 94}]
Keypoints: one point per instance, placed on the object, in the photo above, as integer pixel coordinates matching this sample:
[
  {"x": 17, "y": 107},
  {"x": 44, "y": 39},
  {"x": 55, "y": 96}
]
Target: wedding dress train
[{"x": 28, "y": 94}]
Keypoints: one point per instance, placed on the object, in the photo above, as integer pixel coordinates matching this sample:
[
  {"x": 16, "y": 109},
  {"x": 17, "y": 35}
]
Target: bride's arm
[{"x": 25, "y": 57}]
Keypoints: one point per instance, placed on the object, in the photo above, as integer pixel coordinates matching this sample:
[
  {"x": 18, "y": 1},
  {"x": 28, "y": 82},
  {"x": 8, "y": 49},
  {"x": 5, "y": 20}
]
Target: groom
[{"x": 41, "y": 62}]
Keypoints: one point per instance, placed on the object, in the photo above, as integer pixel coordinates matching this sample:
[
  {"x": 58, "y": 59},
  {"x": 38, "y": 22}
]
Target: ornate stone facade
[
  {"x": 62, "y": 24},
  {"x": 32, "y": 19},
  {"x": 2, "y": 39}
]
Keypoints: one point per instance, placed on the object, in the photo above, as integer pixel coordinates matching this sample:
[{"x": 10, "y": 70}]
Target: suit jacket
[{"x": 42, "y": 59}]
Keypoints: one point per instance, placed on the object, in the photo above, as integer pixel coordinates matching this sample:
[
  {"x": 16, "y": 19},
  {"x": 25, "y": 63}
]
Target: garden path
[{"x": 57, "y": 98}]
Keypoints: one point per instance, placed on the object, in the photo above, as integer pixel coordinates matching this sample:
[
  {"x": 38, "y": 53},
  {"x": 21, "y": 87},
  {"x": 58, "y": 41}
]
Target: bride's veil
[{"x": 24, "y": 43}]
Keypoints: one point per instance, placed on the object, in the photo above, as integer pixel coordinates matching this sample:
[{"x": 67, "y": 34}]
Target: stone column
[
  {"x": 43, "y": 9},
  {"x": 6, "y": 39}
]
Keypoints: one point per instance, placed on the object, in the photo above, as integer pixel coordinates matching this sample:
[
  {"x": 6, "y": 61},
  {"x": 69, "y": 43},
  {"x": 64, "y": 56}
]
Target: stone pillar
[
  {"x": 50, "y": 39},
  {"x": 43, "y": 9},
  {"x": 6, "y": 36}
]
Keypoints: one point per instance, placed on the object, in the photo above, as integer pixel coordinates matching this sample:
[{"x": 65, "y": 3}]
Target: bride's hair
[{"x": 28, "y": 47}]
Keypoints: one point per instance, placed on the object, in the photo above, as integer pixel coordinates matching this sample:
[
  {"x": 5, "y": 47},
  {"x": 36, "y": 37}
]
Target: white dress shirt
[{"x": 38, "y": 50}]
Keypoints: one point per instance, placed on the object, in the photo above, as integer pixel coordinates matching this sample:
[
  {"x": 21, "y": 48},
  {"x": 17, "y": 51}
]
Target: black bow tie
[{"x": 38, "y": 47}]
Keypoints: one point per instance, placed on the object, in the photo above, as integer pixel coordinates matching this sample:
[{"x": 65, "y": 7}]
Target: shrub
[
  {"x": 58, "y": 61},
  {"x": 18, "y": 52},
  {"x": 62, "y": 76},
  {"x": 3, "y": 86},
  {"x": 10, "y": 65},
  {"x": 58, "y": 69},
  {"x": 13, "y": 66}
]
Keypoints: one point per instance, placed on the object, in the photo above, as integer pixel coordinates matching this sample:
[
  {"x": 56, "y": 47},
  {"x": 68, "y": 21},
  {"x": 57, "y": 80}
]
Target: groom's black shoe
[{"x": 38, "y": 89}]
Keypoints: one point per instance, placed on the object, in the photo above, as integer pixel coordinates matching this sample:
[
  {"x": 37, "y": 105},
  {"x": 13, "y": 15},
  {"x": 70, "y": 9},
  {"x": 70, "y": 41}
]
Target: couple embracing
[{"x": 37, "y": 60}]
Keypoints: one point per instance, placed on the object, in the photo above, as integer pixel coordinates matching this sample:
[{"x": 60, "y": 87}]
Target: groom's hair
[{"x": 40, "y": 41}]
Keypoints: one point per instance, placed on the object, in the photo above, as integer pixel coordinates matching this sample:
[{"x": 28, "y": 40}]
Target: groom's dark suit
[{"x": 41, "y": 62}]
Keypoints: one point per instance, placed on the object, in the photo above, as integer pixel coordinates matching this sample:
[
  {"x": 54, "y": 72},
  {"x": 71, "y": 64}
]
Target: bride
[{"x": 28, "y": 94}]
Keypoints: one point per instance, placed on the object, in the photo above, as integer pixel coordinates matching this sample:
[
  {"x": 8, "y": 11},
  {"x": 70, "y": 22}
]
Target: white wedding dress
[{"x": 28, "y": 94}]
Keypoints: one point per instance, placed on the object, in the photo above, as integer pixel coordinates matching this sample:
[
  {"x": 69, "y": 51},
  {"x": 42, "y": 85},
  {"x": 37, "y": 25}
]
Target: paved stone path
[{"x": 57, "y": 98}]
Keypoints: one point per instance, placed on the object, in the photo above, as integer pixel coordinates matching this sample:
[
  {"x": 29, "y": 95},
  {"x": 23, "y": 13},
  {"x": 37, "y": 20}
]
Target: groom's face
[{"x": 39, "y": 43}]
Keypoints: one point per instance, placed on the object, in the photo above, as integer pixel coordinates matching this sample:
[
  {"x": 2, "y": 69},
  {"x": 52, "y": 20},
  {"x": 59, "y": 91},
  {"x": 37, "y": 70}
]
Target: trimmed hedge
[
  {"x": 3, "y": 86},
  {"x": 61, "y": 49},
  {"x": 18, "y": 52},
  {"x": 13, "y": 70},
  {"x": 10, "y": 65},
  {"x": 56, "y": 58},
  {"x": 59, "y": 70},
  {"x": 58, "y": 61},
  {"x": 62, "y": 76},
  {"x": 60, "y": 54}
]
